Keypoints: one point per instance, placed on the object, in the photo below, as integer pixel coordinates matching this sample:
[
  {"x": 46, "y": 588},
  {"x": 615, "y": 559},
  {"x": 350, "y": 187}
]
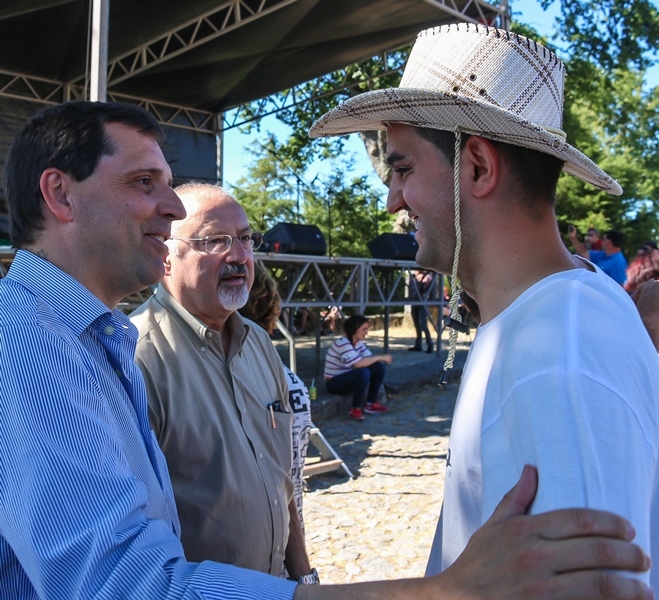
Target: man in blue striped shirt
[{"x": 86, "y": 506}]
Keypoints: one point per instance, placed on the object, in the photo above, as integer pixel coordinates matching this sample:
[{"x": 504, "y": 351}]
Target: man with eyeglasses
[{"x": 218, "y": 397}]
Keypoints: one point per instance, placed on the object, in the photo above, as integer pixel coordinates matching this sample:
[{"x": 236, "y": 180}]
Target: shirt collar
[
  {"x": 71, "y": 301},
  {"x": 238, "y": 326}
]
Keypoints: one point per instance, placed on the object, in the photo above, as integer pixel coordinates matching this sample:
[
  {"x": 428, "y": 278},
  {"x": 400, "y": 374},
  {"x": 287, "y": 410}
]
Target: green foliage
[
  {"x": 608, "y": 115},
  {"x": 606, "y": 45},
  {"x": 346, "y": 210},
  {"x": 267, "y": 193},
  {"x": 610, "y": 34}
]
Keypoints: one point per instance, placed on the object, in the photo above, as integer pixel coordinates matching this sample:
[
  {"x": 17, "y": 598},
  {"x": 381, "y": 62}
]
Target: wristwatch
[{"x": 310, "y": 579}]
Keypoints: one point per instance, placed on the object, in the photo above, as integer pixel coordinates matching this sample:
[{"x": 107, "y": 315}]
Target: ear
[
  {"x": 167, "y": 262},
  {"x": 481, "y": 164},
  {"x": 55, "y": 186}
]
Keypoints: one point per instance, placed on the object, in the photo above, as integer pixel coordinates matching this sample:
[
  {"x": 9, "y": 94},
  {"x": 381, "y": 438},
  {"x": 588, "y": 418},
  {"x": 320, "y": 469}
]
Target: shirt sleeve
[
  {"x": 363, "y": 350},
  {"x": 73, "y": 509},
  {"x": 348, "y": 355}
]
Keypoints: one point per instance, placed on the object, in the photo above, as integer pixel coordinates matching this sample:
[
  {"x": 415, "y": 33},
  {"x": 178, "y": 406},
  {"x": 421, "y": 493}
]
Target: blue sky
[{"x": 237, "y": 159}]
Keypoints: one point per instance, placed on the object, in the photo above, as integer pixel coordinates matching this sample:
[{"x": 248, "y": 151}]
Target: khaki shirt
[{"x": 228, "y": 464}]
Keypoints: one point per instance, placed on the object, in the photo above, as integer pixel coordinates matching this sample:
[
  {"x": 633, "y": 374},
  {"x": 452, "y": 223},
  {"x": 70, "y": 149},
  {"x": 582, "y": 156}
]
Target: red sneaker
[
  {"x": 375, "y": 408},
  {"x": 356, "y": 414}
]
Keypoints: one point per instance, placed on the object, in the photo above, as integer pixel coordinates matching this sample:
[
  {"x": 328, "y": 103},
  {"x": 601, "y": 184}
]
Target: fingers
[
  {"x": 590, "y": 585},
  {"x": 580, "y": 522},
  {"x": 577, "y": 554},
  {"x": 519, "y": 498}
]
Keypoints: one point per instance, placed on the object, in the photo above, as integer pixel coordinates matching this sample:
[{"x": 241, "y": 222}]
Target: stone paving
[{"x": 380, "y": 525}]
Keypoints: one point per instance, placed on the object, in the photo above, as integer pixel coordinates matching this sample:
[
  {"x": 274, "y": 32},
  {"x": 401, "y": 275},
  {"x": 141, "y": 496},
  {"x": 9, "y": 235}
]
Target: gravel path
[{"x": 380, "y": 525}]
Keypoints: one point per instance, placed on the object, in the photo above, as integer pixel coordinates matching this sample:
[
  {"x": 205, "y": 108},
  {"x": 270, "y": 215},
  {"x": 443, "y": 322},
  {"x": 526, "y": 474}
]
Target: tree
[
  {"x": 347, "y": 210},
  {"x": 608, "y": 114},
  {"x": 606, "y": 45}
]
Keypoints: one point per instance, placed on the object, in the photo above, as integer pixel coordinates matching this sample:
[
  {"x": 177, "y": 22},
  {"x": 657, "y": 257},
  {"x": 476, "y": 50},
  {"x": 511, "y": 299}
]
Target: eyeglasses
[{"x": 219, "y": 243}]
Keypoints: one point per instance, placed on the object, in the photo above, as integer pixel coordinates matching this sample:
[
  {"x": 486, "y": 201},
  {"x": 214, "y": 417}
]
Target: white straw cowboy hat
[{"x": 482, "y": 81}]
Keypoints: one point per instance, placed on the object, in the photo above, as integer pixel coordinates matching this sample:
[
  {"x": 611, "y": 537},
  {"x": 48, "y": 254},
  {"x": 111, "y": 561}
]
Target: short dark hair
[
  {"x": 537, "y": 173},
  {"x": 615, "y": 237},
  {"x": 70, "y": 137},
  {"x": 352, "y": 324}
]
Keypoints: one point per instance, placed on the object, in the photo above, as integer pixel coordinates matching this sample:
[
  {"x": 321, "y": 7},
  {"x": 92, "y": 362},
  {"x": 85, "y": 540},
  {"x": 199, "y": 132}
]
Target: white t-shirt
[
  {"x": 298, "y": 397},
  {"x": 566, "y": 379}
]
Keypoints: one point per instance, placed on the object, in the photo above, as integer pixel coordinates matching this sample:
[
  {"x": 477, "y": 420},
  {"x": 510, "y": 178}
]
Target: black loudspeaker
[
  {"x": 292, "y": 238},
  {"x": 396, "y": 246}
]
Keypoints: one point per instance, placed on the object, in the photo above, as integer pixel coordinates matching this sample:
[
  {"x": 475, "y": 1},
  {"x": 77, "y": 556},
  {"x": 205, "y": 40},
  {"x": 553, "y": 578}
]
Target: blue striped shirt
[
  {"x": 86, "y": 505},
  {"x": 342, "y": 356}
]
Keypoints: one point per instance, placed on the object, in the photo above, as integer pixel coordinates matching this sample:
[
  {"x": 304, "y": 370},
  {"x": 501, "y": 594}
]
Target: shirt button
[
  {"x": 118, "y": 372},
  {"x": 109, "y": 330},
  {"x": 260, "y": 454},
  {"x": 203, "y": 348},
  {"x": 244, "y": 411},
  {"x": 209, "y": 334},
  {"x": 278, "y": 548},
  {"x": 276, "y": 502}
]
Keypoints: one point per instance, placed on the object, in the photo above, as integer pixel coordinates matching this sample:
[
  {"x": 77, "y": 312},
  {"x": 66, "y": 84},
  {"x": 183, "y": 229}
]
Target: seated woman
[{"x": 351, "y": 367}]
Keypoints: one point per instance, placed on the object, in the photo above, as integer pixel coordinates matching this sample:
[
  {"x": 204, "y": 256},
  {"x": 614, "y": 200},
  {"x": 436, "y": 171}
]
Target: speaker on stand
[
  {"x": 293, "y": 238},
  {"x": 394, "y": 246}
]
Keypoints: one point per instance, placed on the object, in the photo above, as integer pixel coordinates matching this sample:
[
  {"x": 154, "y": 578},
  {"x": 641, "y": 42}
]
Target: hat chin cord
[{"x": 454, "y": 321}]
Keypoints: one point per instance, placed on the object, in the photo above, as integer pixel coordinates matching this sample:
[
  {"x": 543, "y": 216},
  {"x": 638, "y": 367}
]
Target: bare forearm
[
  {"x": 366, "y": 362},
  {"x": 579, "y": 247}
]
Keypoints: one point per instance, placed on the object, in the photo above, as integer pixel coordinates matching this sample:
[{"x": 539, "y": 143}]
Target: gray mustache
[{"x": 230, "y": 270}]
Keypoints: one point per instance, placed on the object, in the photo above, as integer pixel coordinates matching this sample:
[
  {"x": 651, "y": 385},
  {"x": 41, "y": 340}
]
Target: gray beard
[{"x": 233, "y": 297}]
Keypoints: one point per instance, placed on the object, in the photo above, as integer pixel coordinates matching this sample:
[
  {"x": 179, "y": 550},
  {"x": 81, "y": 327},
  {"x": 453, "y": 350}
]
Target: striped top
[
  {"x": 342, "y": 356},
  {"x": 86, "y": 506}
]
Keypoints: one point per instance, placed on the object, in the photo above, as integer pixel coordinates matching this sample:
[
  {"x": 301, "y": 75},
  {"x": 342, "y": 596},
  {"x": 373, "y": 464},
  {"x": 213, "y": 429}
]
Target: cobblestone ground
[{"x": 380, "y": 525}]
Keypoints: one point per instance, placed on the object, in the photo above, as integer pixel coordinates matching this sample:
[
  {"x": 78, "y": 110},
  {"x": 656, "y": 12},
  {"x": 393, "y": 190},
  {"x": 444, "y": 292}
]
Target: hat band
[{"x": 559, "y": 132}]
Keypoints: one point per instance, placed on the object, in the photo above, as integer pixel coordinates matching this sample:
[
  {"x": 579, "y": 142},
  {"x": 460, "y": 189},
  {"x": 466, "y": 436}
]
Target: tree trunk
[{"x": 376, "y": 147}]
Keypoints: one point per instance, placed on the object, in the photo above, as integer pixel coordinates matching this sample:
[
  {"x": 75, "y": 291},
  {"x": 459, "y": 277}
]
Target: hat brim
[{"x": 420, "y": 108}]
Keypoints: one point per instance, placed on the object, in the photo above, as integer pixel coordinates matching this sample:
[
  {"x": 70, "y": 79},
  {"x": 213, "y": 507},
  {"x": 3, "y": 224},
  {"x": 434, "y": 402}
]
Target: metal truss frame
[
  {"x": 321, "y": 281},
  {"x": 229, "y": 15},
  {"x": 451, "y": 7},
  {"x": 48, "y": 91},
  {"x": 226, "y": 17},
  {"x": 386, "y": 63}
]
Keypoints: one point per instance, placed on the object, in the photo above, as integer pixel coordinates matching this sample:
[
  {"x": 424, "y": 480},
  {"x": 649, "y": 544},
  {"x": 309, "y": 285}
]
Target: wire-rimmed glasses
[{"x": 219, "y": 243}]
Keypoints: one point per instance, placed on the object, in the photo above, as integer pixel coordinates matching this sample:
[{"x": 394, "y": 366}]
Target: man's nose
[
  {"x": 171, "y": 205},
  {"x": 236, "y": 253}
]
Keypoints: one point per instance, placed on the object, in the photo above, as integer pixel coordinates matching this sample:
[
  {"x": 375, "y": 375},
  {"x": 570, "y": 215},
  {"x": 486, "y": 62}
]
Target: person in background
[
  {"x": 610, "y": 259},
  {"x": 592, "y": 239},
  {"x": 645, "y": 266},
  {"x": 421, "y": 280},
  {"x": 263, "y": 307},
  {"x": 351, "y": 368}
]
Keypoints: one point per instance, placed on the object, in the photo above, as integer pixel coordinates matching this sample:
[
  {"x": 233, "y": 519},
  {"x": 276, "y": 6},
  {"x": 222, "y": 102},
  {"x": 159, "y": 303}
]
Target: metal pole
[
  {"x": 98, "y": 76},
  {"x": 219, "y": 149}
]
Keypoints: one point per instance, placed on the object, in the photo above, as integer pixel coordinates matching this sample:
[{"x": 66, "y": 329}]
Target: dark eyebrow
[{"x": 393, "y": 158}]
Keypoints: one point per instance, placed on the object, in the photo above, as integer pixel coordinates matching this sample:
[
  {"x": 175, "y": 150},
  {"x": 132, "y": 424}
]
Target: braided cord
[{"x": 456, "y": 288}]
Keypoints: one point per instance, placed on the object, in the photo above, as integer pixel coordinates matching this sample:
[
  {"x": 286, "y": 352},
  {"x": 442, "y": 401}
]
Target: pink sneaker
[
  {"x": 375, "y": 408},
  {"x": 356, "y": 414}
]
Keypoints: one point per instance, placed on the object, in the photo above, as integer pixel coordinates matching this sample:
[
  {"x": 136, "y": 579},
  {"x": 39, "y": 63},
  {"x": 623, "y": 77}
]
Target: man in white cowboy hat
[{"x": 560, "y": 374}]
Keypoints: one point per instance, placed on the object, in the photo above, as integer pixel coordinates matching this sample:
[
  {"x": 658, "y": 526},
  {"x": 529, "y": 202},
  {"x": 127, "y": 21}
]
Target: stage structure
[{"x": 193, "y": 65}]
